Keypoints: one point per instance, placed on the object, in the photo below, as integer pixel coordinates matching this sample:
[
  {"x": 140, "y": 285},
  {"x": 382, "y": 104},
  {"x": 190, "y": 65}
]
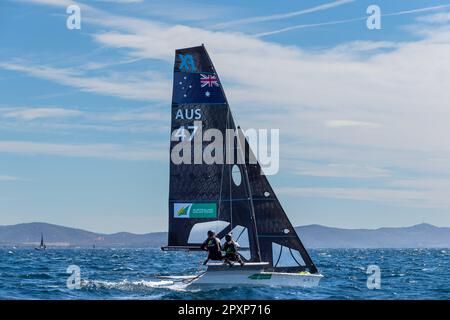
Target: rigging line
[
  {"x": 290, "y": 250},
  {"x": 249, "y": 192},
  {"x": 279, "y": 257},
  {"x": 240, "y": 234},
  {"x": 221, "y": 175},
  {"x": 229, "y": 182}
]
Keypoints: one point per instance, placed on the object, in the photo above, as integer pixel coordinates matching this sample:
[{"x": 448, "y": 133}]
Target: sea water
[{"x": 132, "y": 274}]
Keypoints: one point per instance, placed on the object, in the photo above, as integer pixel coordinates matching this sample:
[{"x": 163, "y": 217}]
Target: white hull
[{"x": 253, "y": 275}]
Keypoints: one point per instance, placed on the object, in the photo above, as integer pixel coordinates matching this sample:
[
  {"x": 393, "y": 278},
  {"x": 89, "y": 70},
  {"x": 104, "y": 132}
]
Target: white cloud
[
  {"x": 437, "y": 18},
  {"x": 59, "y": 3},
  {"x": 344, "y": 21},
  {"x": 304, "y": 26},
  {"x": 10, "y": 178},
  {"x": 408, "y": 198},
  {"x": 186, "y": 11},
  {"x": 137, "y": 87},
  {"x": 400, "y": 90},
  {"x": 350, "y": 123},
  {"x": 121, "y": 1},
  {"x": 418, "y": 10},
  {"x": 361, "y": 46},
  {"x": 34, "y": 113},
  {"x": 403, "y": 89},
  {"x": 135, "y": 116},
  {"x": 422, "y": 183},
  {"x": 338, "y": 170},
  {"x": 94, "y": 150},
  {"x": 62, "y": 120},
  {"x": 65, "y": 127},
  {"x": 287, "y": 15},
  {"x": 38, "y": 113}
]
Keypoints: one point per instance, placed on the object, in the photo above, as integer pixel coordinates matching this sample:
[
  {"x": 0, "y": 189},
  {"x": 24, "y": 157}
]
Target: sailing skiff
[{"x": 231, "y": 197}]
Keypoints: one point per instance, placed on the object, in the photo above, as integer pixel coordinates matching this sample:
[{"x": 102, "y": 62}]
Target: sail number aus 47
[{"x": 182, "y": 134}]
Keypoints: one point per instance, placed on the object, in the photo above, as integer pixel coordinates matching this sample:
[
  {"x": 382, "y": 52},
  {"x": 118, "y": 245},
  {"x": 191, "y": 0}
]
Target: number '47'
[{"x": 182, "y": 133}]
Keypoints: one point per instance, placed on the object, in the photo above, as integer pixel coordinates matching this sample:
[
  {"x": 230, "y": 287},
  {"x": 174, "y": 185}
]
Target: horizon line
[{"x": 150, "y": 232}]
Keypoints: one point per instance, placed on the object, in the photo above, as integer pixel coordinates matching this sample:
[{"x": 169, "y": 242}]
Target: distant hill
[
  {"x": 29, "y": 234},
  {"x": 418, "y": 236},
  {"x": 313, "y": 236}
]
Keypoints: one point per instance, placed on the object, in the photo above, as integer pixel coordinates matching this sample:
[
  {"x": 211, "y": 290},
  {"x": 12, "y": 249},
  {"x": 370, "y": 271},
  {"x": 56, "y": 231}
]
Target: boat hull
[{"x": 225, "y": 276}]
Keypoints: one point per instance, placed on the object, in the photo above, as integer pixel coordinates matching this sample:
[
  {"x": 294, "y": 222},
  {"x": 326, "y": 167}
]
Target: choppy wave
[
  {"x": 133, "y": 274},
  {"x": 132, "y": 285}
]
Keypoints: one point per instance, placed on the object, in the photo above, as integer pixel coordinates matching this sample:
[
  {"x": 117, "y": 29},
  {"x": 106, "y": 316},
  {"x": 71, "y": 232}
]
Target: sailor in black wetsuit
[
  {"x": 231, "y": 247},
  {"x": 212, "y": 245}
]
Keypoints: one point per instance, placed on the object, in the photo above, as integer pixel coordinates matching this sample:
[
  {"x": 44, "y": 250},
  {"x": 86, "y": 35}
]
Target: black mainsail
[{"x": 204, "y": 194}]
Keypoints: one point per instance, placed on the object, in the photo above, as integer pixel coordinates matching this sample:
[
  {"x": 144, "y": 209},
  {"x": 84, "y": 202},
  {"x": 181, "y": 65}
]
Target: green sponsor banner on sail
[
  {"x": 203, "y": 210},
  {"x": 195, "y": 210}
]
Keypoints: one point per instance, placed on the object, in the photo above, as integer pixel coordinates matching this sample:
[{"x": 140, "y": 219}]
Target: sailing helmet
[{"x": 211, "y": 233}]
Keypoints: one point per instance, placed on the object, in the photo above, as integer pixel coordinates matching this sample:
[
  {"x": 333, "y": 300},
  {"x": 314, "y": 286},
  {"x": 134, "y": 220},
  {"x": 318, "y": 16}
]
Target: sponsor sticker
[
  {"x": 260, "y": 276},
  {"x": 195, "y": 210}
]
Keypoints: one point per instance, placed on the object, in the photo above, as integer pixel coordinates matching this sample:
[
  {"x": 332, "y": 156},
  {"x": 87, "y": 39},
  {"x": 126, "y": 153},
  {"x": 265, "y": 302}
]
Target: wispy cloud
[
  {"x": 360, "y": 46},
  {"x": 409, "y": 198},
  {"x": 94, "y": 150},
  {"x": 137, "y": 87},
  {"x": 422, "y": 183},
  {"x": 418, "y": 10},
  {"x": 287, "y": 15},
  {"x": 309, "y": 25},
  {"x": 401, "y": 90},
  {"x": 121, "y": 1},
  {"x": 61, "y": 120},
  {"x": 344, "y": 21},
  {"x": 10, "y": 178},
  {"x": 386, "y": 88},
  {"x": 186, "y": 11},
  {"x": 351, "y": 123},
  {"x": 338, "y": 170},
  {"x": 39, "y": 113},
  {"x": 35, "y": 113},
  {"x": 437, "y": 18},
  {"x": 58, "y": 3}
]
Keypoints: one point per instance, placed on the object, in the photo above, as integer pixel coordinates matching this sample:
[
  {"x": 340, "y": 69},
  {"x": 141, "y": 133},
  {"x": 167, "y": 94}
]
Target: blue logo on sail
[{"x": 187, "y": 63}]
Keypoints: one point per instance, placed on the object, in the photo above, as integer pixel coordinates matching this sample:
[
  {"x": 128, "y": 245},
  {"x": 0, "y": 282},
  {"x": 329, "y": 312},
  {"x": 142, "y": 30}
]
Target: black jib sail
[{"x": 227, "y": 196}]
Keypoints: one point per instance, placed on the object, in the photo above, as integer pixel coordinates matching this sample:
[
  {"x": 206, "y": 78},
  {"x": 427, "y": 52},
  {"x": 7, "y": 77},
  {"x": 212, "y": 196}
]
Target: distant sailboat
[
  {"x": 42, "y": 245},
  {"x": 234, "y": 198}
]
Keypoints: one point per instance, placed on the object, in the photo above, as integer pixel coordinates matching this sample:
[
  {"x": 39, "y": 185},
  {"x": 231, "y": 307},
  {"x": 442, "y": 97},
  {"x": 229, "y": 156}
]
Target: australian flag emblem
[
  {"x": 197, "y": 88},
  {"x": 208, "y": 80}
]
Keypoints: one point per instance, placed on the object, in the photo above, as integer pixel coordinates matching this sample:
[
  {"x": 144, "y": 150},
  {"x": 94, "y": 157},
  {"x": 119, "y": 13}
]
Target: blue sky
[{"x": 363, "y": 114}]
